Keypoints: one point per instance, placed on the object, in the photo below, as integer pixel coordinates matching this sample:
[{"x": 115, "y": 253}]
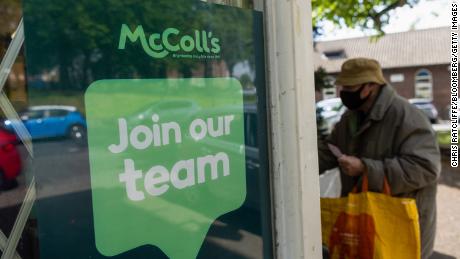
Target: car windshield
[
  {"x": 423, "y": 105},
  {"x": 32, "y": 114},
  {"x": 329, "y": 105},
  {"x": 58, "y": 113}
]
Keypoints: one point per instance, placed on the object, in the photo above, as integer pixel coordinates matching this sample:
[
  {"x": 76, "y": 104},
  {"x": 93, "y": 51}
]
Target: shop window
[
  {"x": 424, "y": 84},
  {"x": 179, "y": 90}
]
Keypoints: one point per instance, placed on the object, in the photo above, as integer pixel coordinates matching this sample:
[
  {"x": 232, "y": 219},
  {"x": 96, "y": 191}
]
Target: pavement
[{"x": 448, "y": 223}]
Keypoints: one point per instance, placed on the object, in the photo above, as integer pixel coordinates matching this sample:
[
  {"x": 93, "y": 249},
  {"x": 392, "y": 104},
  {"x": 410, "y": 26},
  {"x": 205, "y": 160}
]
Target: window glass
[
  {"x": 183, "y": 82},
  {"x": 58, "y": 113},
  {"x": 423, "y": 85},
  {"x": 251, "y": 126},
  {"x": 33, "y": 114},
  {"x": 329, "y": 93}
]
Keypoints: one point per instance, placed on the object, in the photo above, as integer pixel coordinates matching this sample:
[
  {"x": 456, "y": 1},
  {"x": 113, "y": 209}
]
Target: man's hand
[{"x": 351, "y": 165}]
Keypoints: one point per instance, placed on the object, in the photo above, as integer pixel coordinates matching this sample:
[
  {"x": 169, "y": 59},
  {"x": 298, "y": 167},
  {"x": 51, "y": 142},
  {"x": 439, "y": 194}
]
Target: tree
[
  {"x": 10, "y": 14},
  {"x": 366, "y": 14},
  {"x": 79, "y": 38},
  {"x": 322, "y": 79}
]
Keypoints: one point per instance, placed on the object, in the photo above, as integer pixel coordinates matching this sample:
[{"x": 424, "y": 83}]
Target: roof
[{"x": 404, "y": 49}]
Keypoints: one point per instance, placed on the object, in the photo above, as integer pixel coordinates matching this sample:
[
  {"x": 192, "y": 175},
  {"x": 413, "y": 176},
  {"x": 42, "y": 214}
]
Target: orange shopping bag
[{"x": 370, "y": 225}]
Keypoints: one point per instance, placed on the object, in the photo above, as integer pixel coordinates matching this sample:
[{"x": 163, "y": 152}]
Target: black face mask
[{"x": 352, "y": 100}]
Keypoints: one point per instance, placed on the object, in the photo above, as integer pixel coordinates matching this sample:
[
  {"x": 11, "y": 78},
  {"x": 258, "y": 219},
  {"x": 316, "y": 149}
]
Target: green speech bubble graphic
[{"x": 167, "y": 158}]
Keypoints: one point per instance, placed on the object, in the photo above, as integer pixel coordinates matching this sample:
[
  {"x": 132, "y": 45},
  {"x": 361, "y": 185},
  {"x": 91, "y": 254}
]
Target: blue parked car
[{"x": 50, "y": 121}]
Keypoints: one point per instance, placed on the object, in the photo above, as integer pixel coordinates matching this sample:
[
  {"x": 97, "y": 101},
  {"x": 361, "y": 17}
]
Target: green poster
[{"x": 163, "y": 169}]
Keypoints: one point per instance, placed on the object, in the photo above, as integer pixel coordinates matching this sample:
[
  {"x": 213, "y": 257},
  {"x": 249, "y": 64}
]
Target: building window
[
  {"x": 397, "y": 78},
  {"x": 335, "y": 54},
  {"x": 424, "y": 84},
  {"x": 329, "y": 92}
]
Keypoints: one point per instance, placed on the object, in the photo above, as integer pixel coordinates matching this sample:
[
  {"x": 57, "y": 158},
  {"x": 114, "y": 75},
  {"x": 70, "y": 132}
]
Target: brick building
[{"x": 415, "y": 63}]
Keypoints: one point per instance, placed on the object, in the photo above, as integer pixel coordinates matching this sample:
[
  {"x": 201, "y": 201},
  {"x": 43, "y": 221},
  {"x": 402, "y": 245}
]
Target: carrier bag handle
[{"x": 365, "y": 185}]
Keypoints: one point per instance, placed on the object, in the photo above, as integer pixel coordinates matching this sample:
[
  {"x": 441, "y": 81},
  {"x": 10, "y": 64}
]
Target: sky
[{"x": 426, "y": 14}]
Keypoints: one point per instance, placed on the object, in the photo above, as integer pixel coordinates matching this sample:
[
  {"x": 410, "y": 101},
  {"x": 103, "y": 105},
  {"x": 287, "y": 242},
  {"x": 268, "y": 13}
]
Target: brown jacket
[{"x": 396, "y": 140}]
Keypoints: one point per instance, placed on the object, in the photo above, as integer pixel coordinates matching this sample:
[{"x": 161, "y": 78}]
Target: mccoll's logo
[{"x": 159, "y": 45}]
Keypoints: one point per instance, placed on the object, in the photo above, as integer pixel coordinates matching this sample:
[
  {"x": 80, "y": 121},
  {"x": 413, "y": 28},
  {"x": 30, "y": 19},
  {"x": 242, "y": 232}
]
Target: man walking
[{"x": 381, "y": 134}]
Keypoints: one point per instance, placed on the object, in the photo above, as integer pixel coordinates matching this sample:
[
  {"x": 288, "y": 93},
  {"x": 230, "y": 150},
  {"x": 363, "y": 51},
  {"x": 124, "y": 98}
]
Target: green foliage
[
  {"x": 444, "y": 139},
  {"x": 322, "y": 79},
  {"x": 366, "y": 14},
  {"x": 87, "y": 36},
  {"x": 10, "y": 13},
  {"x": 83, "y": 36}
]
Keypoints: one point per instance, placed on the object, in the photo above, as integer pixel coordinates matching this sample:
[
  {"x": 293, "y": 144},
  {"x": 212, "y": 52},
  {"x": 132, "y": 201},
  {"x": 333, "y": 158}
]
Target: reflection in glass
[
  {"x": 72, "y": 44},
  {"x": 14, "y": 163},
  {"x": 237, "y": 3},
  {"x": 51, "y": 121},
  {"x": 10, "y": 160}
]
